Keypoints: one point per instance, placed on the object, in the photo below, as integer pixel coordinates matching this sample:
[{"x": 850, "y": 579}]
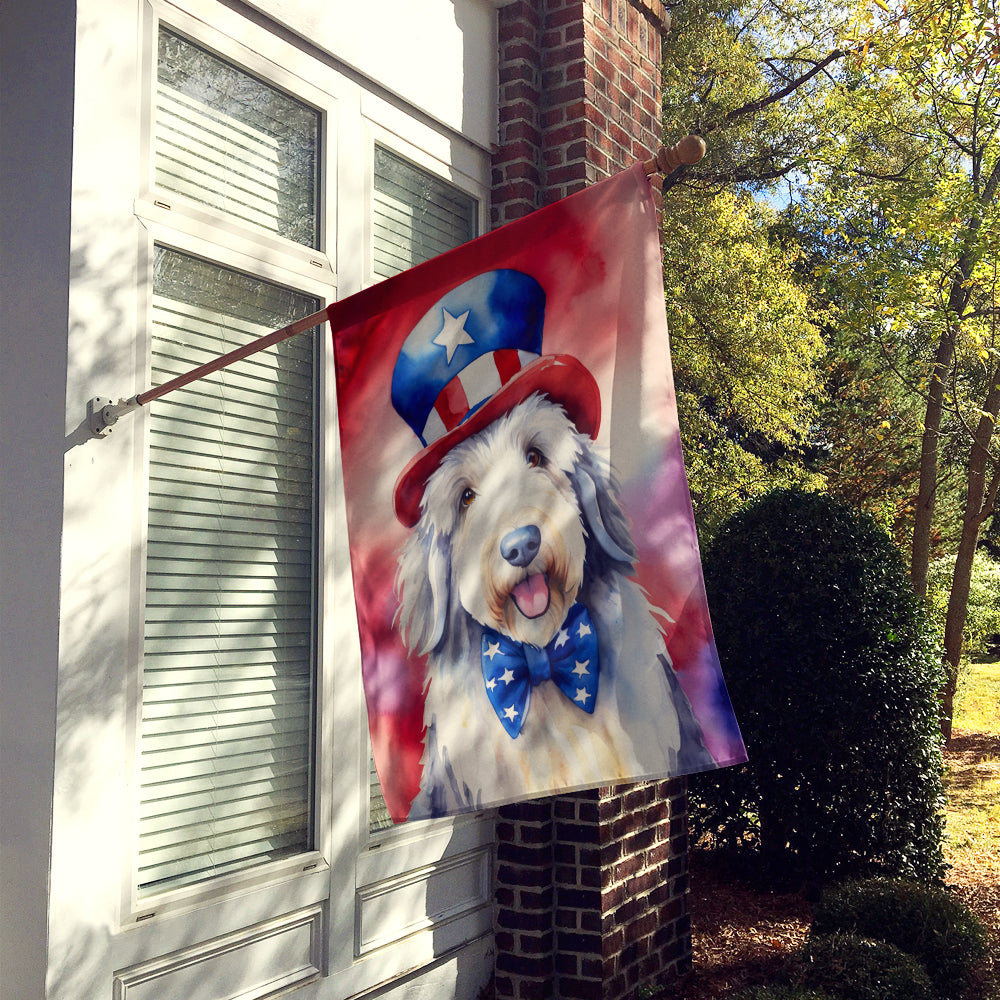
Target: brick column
[
  {"x": 591, "y": 893},
  {"x": 579, "y": 96},
  {"x": 524, "y": 901},
  {"x": 517, "y": 160},
  {"x": 591, "y": 888}
]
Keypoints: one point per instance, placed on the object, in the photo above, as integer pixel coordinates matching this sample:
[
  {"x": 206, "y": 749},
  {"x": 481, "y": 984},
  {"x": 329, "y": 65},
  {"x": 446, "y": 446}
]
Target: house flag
[{"x": 529, "y": 593}]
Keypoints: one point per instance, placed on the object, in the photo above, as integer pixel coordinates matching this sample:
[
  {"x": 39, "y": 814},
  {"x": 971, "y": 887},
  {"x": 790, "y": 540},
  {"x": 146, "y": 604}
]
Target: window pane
[
  {"x": 228, "y": 658},
  {"x": 416, "y": 216},
  {"x": 228, "y": 140}
]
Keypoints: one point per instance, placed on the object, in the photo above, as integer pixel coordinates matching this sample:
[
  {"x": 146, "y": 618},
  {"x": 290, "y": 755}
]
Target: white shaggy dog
[{"x": 519, "y": 523}]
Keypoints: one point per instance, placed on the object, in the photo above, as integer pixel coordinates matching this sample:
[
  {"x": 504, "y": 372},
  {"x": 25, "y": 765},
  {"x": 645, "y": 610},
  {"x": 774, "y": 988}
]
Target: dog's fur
[{"x": 532, "y": 466}]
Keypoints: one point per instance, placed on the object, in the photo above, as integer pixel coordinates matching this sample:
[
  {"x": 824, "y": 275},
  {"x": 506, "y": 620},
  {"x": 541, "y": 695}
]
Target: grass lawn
[
  {"x": 978, "y": 707},
  {"x": 973, "y": 811},
  {"x": 974, "y": 769}
]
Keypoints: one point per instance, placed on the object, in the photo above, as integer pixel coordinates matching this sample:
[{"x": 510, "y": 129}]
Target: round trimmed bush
[
  {"x": 925, "y": 922},
  {"x": 857, "y": 968},
  {"x": 833, "y": 672}
]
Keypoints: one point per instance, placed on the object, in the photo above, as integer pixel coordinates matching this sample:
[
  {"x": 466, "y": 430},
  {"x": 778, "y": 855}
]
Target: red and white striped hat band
[
  {"x": 466, "y": 405},
  {"x": 471, "y": 387}
]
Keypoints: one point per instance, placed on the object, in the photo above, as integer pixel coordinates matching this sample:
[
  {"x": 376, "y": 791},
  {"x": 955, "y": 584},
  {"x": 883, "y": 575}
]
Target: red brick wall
[
  {"x": 579, "y": 96},
  {"x": 591, "y": 893},
  {"x": 591, "y": 888}
]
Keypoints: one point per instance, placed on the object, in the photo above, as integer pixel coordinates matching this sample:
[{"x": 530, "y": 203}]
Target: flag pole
[{"x": 103, "y": 413}]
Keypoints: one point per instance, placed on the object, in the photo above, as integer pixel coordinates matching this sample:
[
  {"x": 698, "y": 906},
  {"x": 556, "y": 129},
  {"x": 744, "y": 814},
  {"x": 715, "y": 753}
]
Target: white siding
[{"x": 76, "y": 325}]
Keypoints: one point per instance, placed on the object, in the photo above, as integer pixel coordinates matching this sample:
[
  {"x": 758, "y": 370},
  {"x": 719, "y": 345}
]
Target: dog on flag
[{"x": 546, "y": 667}]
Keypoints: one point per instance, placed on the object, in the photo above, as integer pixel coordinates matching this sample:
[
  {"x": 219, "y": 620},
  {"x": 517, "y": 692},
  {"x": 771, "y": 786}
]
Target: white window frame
[
  {"x": 195, "y": 244},
  {"x": 177, "y": 223},
  {"x": 396, "y": 858},
  {"x": 351, "y": 876}
]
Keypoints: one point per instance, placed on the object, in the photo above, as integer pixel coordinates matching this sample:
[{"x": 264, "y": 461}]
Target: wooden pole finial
[{"x": 668, "y": 158}]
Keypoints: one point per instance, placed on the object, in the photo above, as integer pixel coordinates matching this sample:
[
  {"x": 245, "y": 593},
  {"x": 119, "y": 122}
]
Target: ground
[{"x": 742, "y": 935}]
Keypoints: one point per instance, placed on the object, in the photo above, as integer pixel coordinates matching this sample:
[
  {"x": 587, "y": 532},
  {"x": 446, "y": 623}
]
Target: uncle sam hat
[{"x": 474, "y": 355}]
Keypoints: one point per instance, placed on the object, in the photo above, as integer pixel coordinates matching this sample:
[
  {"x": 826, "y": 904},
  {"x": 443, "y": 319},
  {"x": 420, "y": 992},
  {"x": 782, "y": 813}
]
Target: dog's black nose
[{"x": 521, "y": 545}]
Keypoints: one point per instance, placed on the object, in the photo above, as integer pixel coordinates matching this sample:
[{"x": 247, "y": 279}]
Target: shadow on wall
[{"x": 95, "y": 703}]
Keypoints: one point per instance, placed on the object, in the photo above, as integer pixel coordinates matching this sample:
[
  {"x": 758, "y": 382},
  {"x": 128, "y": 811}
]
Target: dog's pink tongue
[{"x": 531, "y": 595}]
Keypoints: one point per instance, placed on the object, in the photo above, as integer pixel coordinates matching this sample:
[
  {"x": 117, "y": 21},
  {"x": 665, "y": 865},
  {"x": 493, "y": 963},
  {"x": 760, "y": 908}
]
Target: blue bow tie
[{"x": 511, "y": 669}]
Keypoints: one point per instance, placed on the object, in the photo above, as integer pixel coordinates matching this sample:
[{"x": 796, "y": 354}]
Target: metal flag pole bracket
[{"x": 103, "y": 413}]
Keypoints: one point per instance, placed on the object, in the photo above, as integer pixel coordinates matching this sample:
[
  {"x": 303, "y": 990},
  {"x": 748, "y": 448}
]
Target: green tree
[
  {"x": 747, "y": 77},
  {"x": 747, "y": 358},
  {"x": 879, "y": 121},
  {"x": 867, "y": 433},
  {"x": 747, "y": 354},
  {"x": 912, "y": 192}
]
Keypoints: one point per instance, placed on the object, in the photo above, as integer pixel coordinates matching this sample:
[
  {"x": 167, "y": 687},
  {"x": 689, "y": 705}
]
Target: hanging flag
[{"x": 529, "y": 592}]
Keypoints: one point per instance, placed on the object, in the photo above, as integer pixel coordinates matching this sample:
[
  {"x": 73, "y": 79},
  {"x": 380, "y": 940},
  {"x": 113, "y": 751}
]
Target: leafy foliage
[
  {"x": 833, "y": 672},
  {"x": 926, "y": 922},
  {"x": 857, "y": 968},
  {"x": 746, "y": 354},
  {"x": 877, "y": 125},
  {"x": 748, "y": 357},
  {"x": 748, "y": 77},
  {"x": 983, "y": 614},
  {"x": 866, "y": 436}
]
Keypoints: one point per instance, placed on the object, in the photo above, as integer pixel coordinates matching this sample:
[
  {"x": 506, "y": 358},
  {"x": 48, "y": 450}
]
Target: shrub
[
  {"x": 833, "y": 672},
  {"x": 925, "y": 922},
  {"x": 856, "y": 968}
]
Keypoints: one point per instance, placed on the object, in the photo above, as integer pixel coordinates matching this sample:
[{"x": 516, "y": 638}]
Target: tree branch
[{"x": 754, "y": 106}]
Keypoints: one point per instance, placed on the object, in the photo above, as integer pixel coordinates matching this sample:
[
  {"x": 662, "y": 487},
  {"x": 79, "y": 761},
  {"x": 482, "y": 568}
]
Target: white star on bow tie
[
  {"x": 507, "y": 676},
  {"x": 581, "y": 696},
  {"x": 511, "y": 713},
  {"x": 453, "y": 333},
  {"x": 581, "y": 668},
  {"x": 583, "y": 630},
  {"x": 493, "y": 650}
]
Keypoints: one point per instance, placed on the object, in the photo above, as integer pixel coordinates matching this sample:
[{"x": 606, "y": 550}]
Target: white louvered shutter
[{"x": 416, "y": 216}]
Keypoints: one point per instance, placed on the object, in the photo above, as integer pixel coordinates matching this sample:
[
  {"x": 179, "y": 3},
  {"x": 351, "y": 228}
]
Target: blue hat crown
[{"x": 465, "y": 347}]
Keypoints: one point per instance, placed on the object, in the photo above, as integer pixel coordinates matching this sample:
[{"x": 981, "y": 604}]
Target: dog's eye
[
  {"x": 533, "y": 457},
  {"x": 468, "y": 495}
]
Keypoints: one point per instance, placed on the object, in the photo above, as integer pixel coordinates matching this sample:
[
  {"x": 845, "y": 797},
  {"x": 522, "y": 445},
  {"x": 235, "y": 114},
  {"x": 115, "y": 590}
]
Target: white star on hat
[{"x": 453, "y": 333}]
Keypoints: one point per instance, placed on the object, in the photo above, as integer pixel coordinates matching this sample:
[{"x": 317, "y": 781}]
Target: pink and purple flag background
[{"x": 596, "y": 254}]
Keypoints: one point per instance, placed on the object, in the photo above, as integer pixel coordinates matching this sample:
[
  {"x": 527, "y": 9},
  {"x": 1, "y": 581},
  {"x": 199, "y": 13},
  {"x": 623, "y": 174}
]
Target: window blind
[
  {"x": 228, "y": 140},
  {"x": 228, "y": 653},
  {"x": 415, "y": 216}
]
